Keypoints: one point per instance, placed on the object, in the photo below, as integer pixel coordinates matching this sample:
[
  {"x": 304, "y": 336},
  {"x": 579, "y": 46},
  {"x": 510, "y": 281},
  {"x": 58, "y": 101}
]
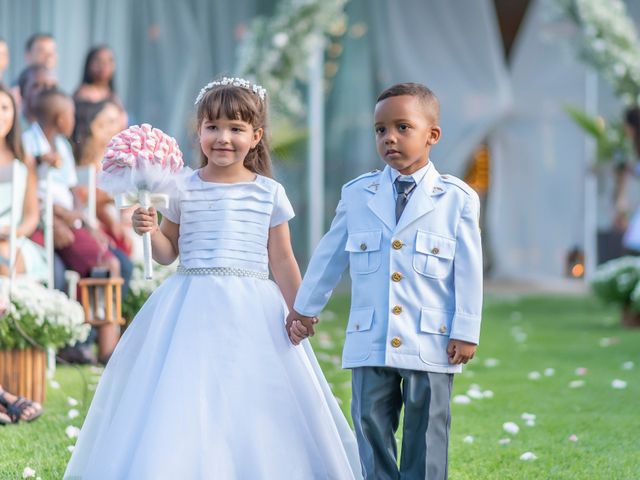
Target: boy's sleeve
[
  {"x": 327, "y": 264},
  {"x": 467, "y": 265}
]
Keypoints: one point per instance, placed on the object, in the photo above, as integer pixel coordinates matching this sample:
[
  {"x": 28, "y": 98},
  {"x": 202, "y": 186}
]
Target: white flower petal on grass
[
  {"x": 73, "y": 413},
  {"x": 606, "y": 341},
  {"x": 474, "y": 386},
  {"x": 534, "y": 375},
  {"x": 619, "y": 384},
  {"x": 487, "y": 394},
  {"x": 549, "y": 372},
  {"x": 72, "y": 432},
  {"x": 53, "y": 384},
  {"x": 528, "y": 456},
  {"x": 504, "y": 441},
  {"x": 528, "y": 416},
  {"x": 468, "y": 439},
  {"x": 28, "y": 472},
  {"x": 72, "y": 402},
  {"x": 627, "y": 365},
  {"x": 581, "y": 371},
  {"x": 510, "y": 427},
  {"x": 576, "y": 383},
  {"x": 71, "y": 448},
  {"x": 530, "y": 423},
  {"x": 520, "y": 337},
  {"x": 96, "y": 370},
  {"x": 573, "y": 438},
  {"x": 491, "y": 362},
  {"x": 461, "y": 400},
  {"x": 475, "y": 394}
]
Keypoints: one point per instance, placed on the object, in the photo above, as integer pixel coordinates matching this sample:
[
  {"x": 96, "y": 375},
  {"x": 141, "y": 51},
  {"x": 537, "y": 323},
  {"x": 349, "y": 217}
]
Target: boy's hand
[
  {"x": 460, "y": 351},
  {"x": 300, "y": 327}
]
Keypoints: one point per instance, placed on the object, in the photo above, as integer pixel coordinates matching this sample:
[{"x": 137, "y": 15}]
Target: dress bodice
[{"x": 227, "y": 225}]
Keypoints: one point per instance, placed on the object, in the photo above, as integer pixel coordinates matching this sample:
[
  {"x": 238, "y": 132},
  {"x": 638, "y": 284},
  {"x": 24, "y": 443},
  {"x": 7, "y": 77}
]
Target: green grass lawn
[{"x": 518, "y": 337}]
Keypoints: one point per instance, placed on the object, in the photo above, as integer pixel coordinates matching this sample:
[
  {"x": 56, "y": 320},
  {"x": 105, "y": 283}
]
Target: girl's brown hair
[
  {"x": 632, "y": 119},
  {"x": 242, "y": 104},
  {"x": 14, "y": 137}
]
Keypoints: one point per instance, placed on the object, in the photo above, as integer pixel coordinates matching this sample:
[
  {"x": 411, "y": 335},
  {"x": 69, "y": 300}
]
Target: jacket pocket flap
[
  {"x": 433, "y": 244},
  {"x": 435, "y": 321},
  {"x": 360, "y": 319},
  {"x": 363, "y": 242}
]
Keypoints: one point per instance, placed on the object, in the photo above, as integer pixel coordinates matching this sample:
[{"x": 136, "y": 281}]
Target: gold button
[
  {"x": 397, "y": 309},
  {"x": 396, "y": 276},
  {"x": 435, "y": 250},
  {"x": 396, "y": 342},
  {"x": 363, "y": 246},
  {"x": 397, "y": 244},
  {"x": 443, "y": 329}
]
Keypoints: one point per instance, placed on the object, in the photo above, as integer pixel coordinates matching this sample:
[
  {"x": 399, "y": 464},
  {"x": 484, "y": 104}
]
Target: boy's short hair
[
  {"x": 34, "y": 38},
  {"x": 424, "y": 94},
  {"x": 47, "y": 105}
]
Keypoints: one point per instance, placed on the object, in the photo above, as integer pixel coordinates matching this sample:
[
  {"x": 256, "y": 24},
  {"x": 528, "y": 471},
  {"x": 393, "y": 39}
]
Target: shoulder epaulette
[
  {"x": 458, "y": 183},
  {"x": 364, "y": 175}
]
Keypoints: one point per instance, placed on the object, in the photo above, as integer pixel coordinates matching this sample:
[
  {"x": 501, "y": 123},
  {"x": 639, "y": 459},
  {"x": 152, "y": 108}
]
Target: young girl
[{"x": 205, "y": 383}]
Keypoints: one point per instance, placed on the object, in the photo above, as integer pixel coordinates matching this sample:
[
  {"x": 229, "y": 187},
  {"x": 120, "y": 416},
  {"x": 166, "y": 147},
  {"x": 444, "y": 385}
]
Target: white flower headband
[{"x": 236, "y": 82}]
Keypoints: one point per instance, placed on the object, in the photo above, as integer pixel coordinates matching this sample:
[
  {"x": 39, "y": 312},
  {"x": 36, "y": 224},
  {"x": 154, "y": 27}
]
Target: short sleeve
[
  {"x": 282, "y": 209},
  {"x": 172, "y": 213}
]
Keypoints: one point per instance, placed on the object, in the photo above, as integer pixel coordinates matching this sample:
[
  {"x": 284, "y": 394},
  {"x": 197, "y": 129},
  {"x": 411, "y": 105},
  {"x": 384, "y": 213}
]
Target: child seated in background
[{"x": 81, "y": 248}]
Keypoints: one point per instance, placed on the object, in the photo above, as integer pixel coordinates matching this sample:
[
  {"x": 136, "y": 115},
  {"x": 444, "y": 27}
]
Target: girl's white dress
[{"x": 205, "y": 384}]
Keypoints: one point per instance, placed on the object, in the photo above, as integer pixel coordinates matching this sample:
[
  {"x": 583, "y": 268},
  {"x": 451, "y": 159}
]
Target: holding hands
[
  {"x": 300, "y": 327},
  {"x": 145, "y": 220}
]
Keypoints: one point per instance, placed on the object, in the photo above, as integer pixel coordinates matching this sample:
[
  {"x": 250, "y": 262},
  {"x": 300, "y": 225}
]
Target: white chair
[{"x": 87, "y": 178}]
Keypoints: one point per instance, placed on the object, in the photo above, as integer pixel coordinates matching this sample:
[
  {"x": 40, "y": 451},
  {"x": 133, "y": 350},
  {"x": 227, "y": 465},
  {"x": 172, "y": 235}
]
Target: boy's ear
[{"x": 434, "y": 135}]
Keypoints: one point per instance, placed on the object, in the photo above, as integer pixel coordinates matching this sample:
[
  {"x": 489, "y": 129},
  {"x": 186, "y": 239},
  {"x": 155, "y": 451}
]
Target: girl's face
[
  {"x": 102, "y": 66},
  {"x": 7, "y": 115},
  {"x": 106, "y": 124},
  {"x": 226, "y": 142}
]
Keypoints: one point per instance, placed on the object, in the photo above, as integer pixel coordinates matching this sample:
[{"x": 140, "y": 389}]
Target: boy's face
[
  {"x": 66, "y": 117},
  {"x": 405, "y": 132}
]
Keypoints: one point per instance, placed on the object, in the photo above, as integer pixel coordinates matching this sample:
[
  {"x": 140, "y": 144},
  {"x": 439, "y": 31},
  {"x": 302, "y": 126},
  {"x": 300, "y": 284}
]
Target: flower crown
[{"x": 236, "y": 82}]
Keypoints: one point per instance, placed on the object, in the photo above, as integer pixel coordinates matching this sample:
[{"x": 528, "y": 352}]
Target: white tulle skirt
[{"x": 206, "y": 385}]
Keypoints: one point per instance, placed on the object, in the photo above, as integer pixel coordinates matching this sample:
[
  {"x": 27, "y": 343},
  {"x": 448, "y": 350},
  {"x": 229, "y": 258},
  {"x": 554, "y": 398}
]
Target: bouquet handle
[{"x": 144, "y": 198}]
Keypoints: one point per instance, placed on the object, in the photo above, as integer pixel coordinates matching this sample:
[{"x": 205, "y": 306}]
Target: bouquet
[{"x": 140, "y": 166}]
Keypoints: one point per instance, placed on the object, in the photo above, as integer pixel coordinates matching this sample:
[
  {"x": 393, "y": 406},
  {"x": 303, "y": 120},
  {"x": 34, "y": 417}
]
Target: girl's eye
[
  {"x": 211, "y": 127},
  {"x": 403, "y": 126},
  {"x": 380, "y": 130}
]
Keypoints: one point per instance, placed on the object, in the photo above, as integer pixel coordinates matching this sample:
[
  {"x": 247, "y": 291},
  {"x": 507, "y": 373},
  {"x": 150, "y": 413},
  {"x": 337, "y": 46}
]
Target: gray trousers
[{"x": 378, "y": 396}]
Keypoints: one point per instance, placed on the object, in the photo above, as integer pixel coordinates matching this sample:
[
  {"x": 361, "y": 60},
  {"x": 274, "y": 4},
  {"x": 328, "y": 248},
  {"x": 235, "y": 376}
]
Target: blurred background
[{"x": 506, "y": 72}]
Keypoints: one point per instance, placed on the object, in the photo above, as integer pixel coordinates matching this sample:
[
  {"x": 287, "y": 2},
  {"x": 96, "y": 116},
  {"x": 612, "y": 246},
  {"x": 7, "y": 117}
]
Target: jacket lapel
[{"x": 382, "y": 203}]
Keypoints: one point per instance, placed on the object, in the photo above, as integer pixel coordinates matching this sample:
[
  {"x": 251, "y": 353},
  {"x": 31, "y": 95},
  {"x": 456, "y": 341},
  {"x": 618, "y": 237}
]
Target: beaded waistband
[{"x": 222, "y": 271}]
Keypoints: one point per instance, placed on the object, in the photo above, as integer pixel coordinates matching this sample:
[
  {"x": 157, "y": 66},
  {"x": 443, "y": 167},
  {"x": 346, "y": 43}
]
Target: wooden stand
[
  {"x": 101, "y": 299},
  {"x": 23, "y": 373}
]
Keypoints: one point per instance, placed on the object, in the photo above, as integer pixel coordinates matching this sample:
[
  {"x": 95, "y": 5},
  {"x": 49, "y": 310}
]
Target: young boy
[{"x": 412, "y": 241}]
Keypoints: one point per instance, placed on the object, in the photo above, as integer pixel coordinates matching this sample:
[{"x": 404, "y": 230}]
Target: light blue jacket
[{"x": 415, "y": 285}]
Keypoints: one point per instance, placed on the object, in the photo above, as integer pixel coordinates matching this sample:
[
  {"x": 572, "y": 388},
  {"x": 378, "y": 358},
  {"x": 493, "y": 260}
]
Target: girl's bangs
[{"x": 231, "y": 103}]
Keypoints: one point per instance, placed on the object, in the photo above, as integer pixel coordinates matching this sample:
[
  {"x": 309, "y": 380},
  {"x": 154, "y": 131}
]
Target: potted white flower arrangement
[
  {"x": 618, "y": 281},
  {"x": 33, "y": 319}
]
